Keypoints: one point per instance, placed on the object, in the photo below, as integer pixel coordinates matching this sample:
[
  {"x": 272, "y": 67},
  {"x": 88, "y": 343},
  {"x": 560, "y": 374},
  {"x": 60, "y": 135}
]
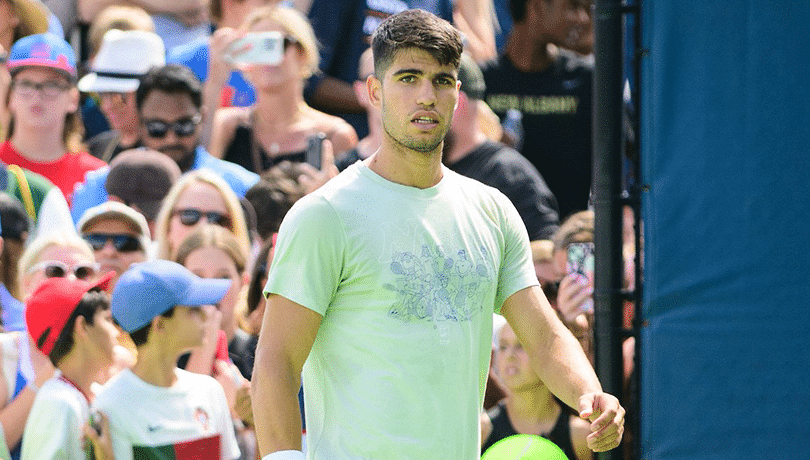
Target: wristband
[{"x": 285, "y": 455}]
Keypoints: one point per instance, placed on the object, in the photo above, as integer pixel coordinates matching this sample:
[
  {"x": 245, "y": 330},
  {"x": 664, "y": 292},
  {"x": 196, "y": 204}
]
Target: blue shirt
[
  {"x": 92, "y": 191},
  {"x": 237, "y": 93}
]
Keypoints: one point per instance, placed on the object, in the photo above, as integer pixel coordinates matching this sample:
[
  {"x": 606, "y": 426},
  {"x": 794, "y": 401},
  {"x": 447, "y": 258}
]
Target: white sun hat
[{"x": 124, "y": 56}]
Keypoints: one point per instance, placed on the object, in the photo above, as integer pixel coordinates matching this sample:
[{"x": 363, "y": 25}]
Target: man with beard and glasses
[{"x": 169, "y": 101}]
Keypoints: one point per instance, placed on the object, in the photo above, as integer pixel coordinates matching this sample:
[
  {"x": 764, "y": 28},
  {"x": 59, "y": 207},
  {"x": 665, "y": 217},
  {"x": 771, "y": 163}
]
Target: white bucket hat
[{"x": 124, "y": 56}]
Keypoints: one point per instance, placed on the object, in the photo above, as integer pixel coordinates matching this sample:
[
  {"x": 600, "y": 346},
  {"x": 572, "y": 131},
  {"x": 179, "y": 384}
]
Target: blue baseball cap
[
  {"x": 149, "y": 289},
  {"x": 42, "y": 50}
]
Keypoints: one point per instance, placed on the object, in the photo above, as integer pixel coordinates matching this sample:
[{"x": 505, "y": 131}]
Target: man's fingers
[{"x": 607, "y": 433}]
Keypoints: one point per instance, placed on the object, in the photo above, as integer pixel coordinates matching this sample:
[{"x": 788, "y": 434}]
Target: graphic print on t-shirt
[
  {"x": 438, "y": 285},
  {"x": 199, "y": 449}
]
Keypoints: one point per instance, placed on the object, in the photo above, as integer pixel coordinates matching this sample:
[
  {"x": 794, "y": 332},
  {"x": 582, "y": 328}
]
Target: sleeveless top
[
  {"x": 501, "y": 428},
  {"x": 247, "y": 153}
]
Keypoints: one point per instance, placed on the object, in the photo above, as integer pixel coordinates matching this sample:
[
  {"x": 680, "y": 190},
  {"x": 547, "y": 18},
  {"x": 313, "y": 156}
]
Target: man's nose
[{"x": 427, "y": 94}]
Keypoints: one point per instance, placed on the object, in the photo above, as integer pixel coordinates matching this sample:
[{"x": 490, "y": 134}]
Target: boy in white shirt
[
  {"x": 155, "y": 409},
  {"x": 70, "y": 322}
]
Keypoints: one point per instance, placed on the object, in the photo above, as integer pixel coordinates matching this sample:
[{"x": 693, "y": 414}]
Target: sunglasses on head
[
  {"x": 189, "y": 217},
  {"x": 121, "y": 242},
  {"x": 183, "y": 127},
  {"x": 59, "y": 269}
]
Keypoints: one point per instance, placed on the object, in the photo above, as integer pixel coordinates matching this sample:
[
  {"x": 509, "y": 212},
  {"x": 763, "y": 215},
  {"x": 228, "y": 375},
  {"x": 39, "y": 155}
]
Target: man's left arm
[{"x": 562, "y": 365}]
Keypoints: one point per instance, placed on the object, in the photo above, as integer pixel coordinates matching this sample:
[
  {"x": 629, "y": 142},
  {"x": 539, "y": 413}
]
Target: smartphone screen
[
  {"x": 315, "y": 149},
  {"x": 265, "y": 48},
  {"x": 581, "y": 262}
]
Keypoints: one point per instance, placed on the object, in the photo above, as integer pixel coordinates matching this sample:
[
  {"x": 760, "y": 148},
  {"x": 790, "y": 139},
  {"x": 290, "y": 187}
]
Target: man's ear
[{"x": 374, "y": 87}]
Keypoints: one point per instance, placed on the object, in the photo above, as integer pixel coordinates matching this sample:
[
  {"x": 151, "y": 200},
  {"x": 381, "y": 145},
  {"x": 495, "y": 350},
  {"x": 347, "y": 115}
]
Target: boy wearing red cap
[{"x": 70, "y": 321}]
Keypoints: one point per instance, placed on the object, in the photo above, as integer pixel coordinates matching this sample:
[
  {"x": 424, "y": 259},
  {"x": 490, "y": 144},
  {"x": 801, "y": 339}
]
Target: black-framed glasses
[
  {"x": 190, "y": 216},
  {"x": 50, "y": 88},
  {"x": 59, "y": 269},
  {"x": 183, "y": 127},
  {"x": 121, "y": 242}
]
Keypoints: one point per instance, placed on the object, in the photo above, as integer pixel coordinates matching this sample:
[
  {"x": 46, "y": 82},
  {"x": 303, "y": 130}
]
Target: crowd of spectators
[{"x": 131, "y": 135}]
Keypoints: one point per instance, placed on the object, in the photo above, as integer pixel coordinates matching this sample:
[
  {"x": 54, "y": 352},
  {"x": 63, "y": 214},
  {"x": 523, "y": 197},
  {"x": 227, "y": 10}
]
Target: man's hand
[{"x": 607, "y": 420}]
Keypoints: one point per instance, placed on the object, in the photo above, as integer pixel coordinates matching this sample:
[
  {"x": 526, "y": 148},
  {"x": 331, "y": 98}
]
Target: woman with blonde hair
[
  {"x": 278, "y": 125},
  {"x": 199, "y": 196},
  {"x": 54, "y": 255}
]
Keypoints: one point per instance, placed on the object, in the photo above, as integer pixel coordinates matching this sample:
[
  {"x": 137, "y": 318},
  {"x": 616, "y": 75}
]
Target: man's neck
[
  {"x": 39, "y": 146},
  {"x": 527, "y": 51},
  {"x": 187, "y": 162},
  {"x": 369, "y": 144},
  {"x": 156, "y": 366},
  {"x": 408, "y": 167}
]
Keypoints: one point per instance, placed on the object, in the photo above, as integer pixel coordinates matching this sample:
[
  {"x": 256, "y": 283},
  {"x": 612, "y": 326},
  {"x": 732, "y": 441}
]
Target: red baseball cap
[{"x": 48, "y": 309}]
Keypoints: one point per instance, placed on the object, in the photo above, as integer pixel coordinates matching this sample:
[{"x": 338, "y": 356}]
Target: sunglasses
[
  {"x": 182, "y": 128},
  {"x": 59, "y": 269},
  {"x": 189, "y": 217},
  {"x": 121, "y": 242}
]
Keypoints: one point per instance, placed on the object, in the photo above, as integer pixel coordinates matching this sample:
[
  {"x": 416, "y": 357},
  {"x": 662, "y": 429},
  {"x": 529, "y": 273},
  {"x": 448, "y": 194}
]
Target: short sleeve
[
  {"x": 308, "y": 261},
  {"x": 517, "y": 269}
]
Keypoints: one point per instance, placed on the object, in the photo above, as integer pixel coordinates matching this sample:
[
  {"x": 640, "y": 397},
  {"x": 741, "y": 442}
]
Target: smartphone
[
  {"x": 265, "y": 48},
  {"x": 581, "y": 262},
  {"x": 315, "y": 149}
]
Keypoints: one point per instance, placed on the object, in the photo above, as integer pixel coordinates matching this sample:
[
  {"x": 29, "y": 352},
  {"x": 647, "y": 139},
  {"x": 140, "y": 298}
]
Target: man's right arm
[{"x": 287, "y": 335}]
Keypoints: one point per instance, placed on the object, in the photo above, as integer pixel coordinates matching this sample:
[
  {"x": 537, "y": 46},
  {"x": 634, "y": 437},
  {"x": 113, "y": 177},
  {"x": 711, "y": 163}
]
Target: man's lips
[{"x": 425, "y": 119}]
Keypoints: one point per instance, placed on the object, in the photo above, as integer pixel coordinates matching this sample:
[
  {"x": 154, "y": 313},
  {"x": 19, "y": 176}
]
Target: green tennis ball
[{"x": 524, "y": 447}]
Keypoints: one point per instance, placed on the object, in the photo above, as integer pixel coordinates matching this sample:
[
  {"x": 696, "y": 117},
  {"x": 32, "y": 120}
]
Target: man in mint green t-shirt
[{"x": 385, "y": 280}]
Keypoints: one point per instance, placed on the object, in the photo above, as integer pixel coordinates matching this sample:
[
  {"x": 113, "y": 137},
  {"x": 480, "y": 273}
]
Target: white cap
[{"x": 124, "y": 56}]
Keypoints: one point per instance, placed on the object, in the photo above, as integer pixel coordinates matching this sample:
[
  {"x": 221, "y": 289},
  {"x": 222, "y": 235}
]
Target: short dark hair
[
  {"x": 273, "y": 195},
  {"x": 415, "y": 29},
  {"x": 172, "y": 79},
  {"x": 140, "y": 336},
  {"x": 92, "y": 301}
]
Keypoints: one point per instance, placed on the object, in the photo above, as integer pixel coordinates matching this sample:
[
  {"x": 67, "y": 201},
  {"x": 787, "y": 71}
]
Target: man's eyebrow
[
  {"x": 422, "y": 72},
  {"x": 409, "y": 71}
]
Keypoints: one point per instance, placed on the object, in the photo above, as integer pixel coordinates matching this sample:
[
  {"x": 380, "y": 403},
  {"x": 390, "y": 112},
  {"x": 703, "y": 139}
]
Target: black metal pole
[{"x": 607, "y": 183}]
